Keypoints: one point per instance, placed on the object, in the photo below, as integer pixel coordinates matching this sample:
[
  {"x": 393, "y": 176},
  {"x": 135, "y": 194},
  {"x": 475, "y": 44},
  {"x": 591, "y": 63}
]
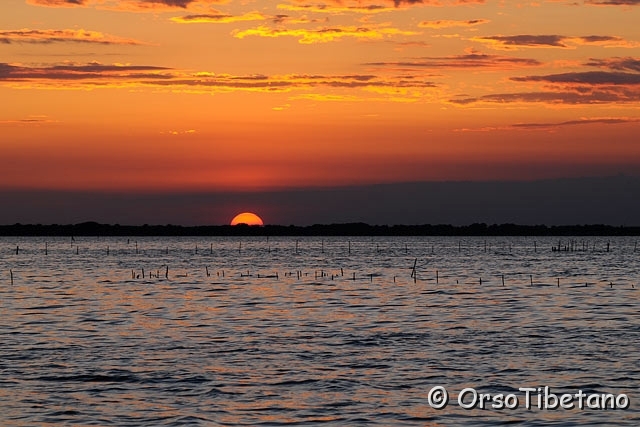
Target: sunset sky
[{"x": 179, "y": 97}]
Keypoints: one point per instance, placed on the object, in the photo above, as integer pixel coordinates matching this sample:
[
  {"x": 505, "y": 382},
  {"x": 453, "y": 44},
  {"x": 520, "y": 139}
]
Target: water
[{"x": 86, "y": 340}]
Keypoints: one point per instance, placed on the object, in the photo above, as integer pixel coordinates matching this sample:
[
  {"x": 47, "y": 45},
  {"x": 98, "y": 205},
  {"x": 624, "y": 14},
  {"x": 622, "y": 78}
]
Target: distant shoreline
[{"x": 347, "y": 229}]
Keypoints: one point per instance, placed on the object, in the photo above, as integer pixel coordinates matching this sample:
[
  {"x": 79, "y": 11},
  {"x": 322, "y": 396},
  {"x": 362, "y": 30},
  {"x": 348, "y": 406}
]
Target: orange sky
[{"x": 193, "y": 95}]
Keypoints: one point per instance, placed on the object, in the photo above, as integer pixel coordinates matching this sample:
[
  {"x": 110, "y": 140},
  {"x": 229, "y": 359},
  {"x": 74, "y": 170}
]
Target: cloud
[
  {"x": 370, "y": 6},
  {"x": 582, "y": 121},
  {"x": 130, "y": 5},
  {"x": 219, "y": 18},
  {"x": 613, "y": 2},
  {"x": 585, "y": 87},
  {"x": 551, "y": 40},
  {"x": 585, "y": 78},
  {"x": 445, "y": 23},
  {"x": 91, "y": 76},
  {"x": 616, "y": 63},
  {"x": 27, "y": 35},
  {"x": 325, "y": 34},
  {"x": 471, "y": 60},
  {"x": 604, "y": 96},
  {"x": 72, "y": 72},
  {"x": 31, "y": 121},
  {"x": 554, "y": 125},
  {"x": 337, "y": 9},
  {"x": 58, "y": 3}
]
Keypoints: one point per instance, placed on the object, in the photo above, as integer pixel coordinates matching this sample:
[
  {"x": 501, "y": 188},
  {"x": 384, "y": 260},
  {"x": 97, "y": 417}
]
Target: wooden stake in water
[
  {"x": 17, "y": 250},
  {"x": 503, "y": 280},
  {"x": 11, "y": 273},
  {"x": 349, "y": 247},
  {"x": 531, "y": 279},
  {"x": 46, "y": 248},
  {"x": 166, "y": 273},
  {"x": 558, "y": 282},
  {"x": 437, "y": 278}
]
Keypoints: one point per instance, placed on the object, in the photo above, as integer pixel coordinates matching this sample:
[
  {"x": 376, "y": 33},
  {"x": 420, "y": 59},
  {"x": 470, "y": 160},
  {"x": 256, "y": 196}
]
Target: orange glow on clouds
[{"x": 191, "y": 95}]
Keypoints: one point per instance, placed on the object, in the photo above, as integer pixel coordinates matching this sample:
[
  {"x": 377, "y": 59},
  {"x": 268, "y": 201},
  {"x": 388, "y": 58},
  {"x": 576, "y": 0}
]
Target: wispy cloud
[
  {"x": 613, "y": 2},
  {"x": 555, "y": 125},
  {"x": 93, "y": 76},
  {"x": 219, "y": 18},
  {"x": 27, "y": 35},
  {"x": 325, "y": 34},
  {"x": 582, "y": 121},
  {"x": 336, "y": 9},
  {"x": 446, "y": 23},
  {"x": 616, "y": 63},
  {"x": 130, "y": 5},
  {"x": 551, "y": 41},
  {"x": 604, "y": 96},
  {"x": 591, "y": 78},
  {"x": 30, "y": 121},
  {"x": 471, "y": 60}
]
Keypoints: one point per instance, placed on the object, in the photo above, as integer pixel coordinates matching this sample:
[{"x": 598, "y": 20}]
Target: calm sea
[{"x": 311, "y": 331}]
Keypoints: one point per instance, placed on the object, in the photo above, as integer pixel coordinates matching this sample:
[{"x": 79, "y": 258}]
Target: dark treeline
[{"x": 351, "y": 229}]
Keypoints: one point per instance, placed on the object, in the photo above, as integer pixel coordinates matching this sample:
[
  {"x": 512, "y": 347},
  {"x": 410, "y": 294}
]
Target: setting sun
[{"x": 247, "y": 218}]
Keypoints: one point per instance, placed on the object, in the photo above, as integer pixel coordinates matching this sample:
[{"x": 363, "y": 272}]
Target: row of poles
[
  {"x": 321, "y": 274},
  {"x": 570, "y": 246}
]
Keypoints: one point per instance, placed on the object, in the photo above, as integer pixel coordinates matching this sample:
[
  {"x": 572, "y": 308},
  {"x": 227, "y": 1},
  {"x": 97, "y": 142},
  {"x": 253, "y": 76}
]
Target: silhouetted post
[
  {"x": 459, "y": 246},
  {"x": 485, "y": 246},
  {"x": 166, "y": 273},
  {"x": 535, "y": 247},
  {"x": 354, "y": 276},
  {"x": 481, "y": 281},
  {"x": 607, "y": 246},
  {"x": 503, "y": 280},
  {"x": 297, "y": 247},
  {"x": 437, "y": 278},
  {"x": 46, "y": 248},
  {"x": 413, "y": 270},
  {"x": 211, "y": 249},
  {"x": 77, "y": 250},
  {"x": 142, "y": 272},
  {"x": 136, "y": 247},
  {"x": 406, "y": 248},
  {"x": 240, "y": 247},
  {"x": 11, "y": 274},
  {"x": 558, "y": 282},
  {"x": 371, "y": 276},
  {"x": 349, "y": 247},
  {"x": 531, "y": 279},
  {"x": 206, "y": 268},
  {"x": 341, "y": 272},
  {"x": 17, "y": 250},
  {"x": 107, "y": 250}
]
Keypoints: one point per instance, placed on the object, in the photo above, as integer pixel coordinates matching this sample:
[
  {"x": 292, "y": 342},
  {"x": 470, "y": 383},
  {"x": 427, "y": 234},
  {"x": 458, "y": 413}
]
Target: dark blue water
[{"x": 313, "y": 331}]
